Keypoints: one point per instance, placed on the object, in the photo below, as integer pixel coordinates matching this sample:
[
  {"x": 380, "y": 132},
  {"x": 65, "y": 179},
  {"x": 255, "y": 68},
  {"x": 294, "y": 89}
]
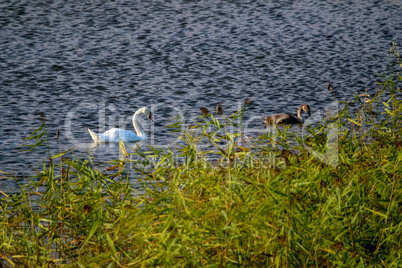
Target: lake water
[{"x": 93, "y": 64}]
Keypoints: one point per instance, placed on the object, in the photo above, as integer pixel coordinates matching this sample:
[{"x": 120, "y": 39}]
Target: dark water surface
[{"x": 93, "y": 64}]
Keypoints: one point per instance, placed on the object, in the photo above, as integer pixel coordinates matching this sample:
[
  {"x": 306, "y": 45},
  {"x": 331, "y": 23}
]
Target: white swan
[{"x": 116, "y": 134}]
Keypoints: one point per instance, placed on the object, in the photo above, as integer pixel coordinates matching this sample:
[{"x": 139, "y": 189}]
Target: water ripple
[{"x": 179, "y": 56}]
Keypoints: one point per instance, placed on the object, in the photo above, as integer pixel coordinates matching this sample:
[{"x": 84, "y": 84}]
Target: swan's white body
[{"x": 116, "y": 134}]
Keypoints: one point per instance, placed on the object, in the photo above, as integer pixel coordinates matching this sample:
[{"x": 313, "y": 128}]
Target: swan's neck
[
  {"x": 299, "y": 114},
  {"x": 137, "y": 127}
]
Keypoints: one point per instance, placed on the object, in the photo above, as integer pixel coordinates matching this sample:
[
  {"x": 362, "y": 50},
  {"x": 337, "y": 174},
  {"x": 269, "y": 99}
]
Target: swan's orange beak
[{"x": 150, "y": 117}]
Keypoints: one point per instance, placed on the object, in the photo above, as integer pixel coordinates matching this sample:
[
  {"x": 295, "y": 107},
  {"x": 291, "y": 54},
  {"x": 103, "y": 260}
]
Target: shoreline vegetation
[{"x": 333, "y": 199}]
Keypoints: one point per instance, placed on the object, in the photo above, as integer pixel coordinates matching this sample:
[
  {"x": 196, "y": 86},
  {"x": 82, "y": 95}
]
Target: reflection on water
[{"x": 100, "y": 62}]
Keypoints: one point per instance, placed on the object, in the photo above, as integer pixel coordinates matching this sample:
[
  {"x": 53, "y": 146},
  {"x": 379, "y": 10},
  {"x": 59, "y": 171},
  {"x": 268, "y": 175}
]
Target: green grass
[{"x": 271, "y": 204}]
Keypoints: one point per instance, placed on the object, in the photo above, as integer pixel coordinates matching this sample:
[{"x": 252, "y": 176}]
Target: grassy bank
[{"x": 332, "y": 199}]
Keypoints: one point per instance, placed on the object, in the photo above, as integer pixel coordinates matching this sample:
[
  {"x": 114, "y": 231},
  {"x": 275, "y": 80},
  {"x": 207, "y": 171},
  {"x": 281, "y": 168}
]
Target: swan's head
[
  {"x": 305, "y": 108},
  {"x": 146, "y": 111}
]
